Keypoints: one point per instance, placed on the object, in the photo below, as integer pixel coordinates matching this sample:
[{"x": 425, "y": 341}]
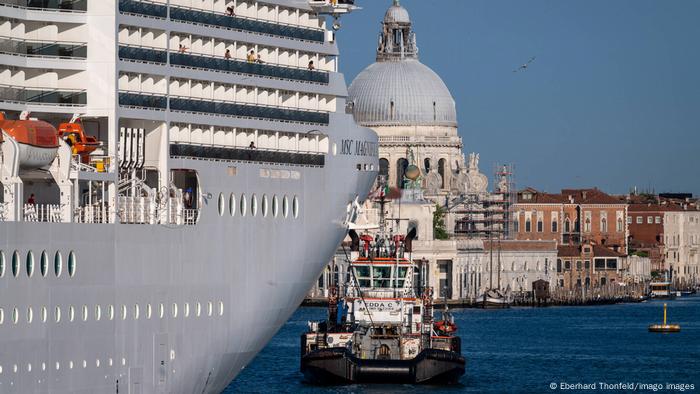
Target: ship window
[
  {"x": 362, "y": 273},
  {"x": 149, "y": 311},
  {"x": 58, "y": 365},
  {"x": 210, "y": 308},
  {"x": 15, "y": 316},
  {"x": 71, "y": 313},
  {"x": 44, "y": 263},
  {"x": 123, "y": 361},
  {"x": 161, "y": 310},
  {"x": 2, "y": 315},
  {"x": 295, "y": 207},
  {"x": 198, "y": 309},
  {"x": 186, "y": 309},
  {"x": 137, "y": 311},
  {"x": 110, "y": 362},
  {"x": 30, "y": 315},
  {"x": 232, "y": 205},
  {"x": 275, "y": 207},
  {"x": 285, "y": 206},
  {"x": 97, "y": 363},
  {"x": 381, "y": 277},
  {"x": 58, "y": 263},
  {"x": 44, "y": 314},
  {"x": 110, "y": 312},
  {"x": 222, "y": 203},
  {"x": 57, "y": 314},
  {"x": 243, "y": 205},
  {"x": 70, "y": 365},
  {"x": 123, "y": 312},
  {"x": 174, "y": 310},
  {"x": 71, "y": 264},
  {"x": 85, "y": 312},
  {"x": 254, "y": 205},
  {"x": 221, "y": 308},
  {"x": 30, "y": 264},
  {"x": 2, "y": 263},
  {"x": 98, "y": 312},
  {"x": 264, "y": 205},
  {"x": 15, "y": 263}
]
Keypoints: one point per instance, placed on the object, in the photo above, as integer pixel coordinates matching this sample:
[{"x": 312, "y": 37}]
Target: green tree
[{"x": 439, "y": 230}]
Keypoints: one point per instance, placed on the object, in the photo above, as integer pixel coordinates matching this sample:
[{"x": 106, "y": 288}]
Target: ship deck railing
[
  {"x": 42, "y": 49},
  {"x": 242, "y": 154},
  {"x": 77, "y": 6},
  {"x": 43, "y": 96},
  {"x": 50, "y": 213},
  {"x": 199, "y": 16}
]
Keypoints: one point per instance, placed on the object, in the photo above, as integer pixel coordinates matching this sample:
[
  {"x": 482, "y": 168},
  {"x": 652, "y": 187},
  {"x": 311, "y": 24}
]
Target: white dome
[
  {"x": 404, "y": 92},
  {"x": 396, "y": 14}
]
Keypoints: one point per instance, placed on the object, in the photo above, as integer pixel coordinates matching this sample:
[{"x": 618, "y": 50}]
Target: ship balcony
[
  {"x": 59, "y": 5},
  {"x": 220, "y": 19},
  {"x": 43, "y": 49},
  {"x": 143, "y": 100},
  {"x": 143, "y": 54},
  {"x": 43, "y": 96}
]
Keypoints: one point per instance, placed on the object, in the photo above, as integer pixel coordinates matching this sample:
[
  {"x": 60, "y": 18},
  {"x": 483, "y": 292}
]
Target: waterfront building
[
  {"x": 682, "y": 246},
  {"x": 585, "y": 266},
  {"x": 646, "y": 231}
]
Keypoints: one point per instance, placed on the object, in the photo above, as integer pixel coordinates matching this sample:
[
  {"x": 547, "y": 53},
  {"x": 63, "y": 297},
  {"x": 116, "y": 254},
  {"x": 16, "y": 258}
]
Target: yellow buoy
[{"x": 664, "y": 327}]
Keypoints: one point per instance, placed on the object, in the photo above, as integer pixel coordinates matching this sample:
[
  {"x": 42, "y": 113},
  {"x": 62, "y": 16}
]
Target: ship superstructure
[{"x": 162, "y": 237}]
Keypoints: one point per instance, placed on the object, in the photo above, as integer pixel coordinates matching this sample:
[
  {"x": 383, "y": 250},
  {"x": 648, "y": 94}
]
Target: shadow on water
[{"x": 523, "y": 350}]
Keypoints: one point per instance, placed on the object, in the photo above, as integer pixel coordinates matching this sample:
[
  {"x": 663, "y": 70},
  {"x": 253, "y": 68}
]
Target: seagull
[{"x": 524, "y": 66}]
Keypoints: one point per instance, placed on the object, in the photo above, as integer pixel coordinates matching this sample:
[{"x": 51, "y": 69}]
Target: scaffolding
[{"x": 488, "y": 215}]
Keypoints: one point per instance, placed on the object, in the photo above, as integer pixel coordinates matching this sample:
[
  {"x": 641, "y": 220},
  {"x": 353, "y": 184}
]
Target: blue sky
[{"x": 612, "y": 99}]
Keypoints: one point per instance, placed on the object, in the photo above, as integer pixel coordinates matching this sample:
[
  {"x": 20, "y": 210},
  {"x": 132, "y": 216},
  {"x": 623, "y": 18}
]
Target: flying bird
[{"x": 524, "y": 67}]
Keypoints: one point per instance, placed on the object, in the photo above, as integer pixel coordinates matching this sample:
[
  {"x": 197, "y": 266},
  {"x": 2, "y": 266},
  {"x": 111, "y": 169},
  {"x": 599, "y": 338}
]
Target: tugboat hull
[{"x": 339, "y": 366}]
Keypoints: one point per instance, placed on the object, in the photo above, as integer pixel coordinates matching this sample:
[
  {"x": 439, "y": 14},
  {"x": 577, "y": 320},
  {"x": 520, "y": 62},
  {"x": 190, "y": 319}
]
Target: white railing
[
  {"x": 137, "y": 210},
  {"x": 43, "y": 213},
  {"x": 93, "y": 214}
]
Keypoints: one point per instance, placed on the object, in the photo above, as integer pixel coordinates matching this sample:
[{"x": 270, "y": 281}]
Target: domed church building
[{"x": 412, "y": 110}]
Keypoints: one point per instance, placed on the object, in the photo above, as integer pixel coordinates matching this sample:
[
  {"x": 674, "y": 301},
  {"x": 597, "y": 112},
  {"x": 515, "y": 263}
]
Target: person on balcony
[
  {"x": 251, "y": 146},
  {"x": 31, "y": 200},
  {"x": 227, "y": 55},
  {"x": 251, "y": 56},
  {"x": 311, "y": 65},
  {"x": 259, "y": 59},
  {"x": 187, "y": 198},
  {"x": 230, "y": 11},
  {"x": 182, "y": 49}
]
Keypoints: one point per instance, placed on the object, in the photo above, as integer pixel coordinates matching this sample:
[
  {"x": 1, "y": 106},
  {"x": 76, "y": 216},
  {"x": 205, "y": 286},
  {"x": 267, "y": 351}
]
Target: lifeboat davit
[
  {"x": 81, "y": 144},
  {"x": 37, "y": 141}
]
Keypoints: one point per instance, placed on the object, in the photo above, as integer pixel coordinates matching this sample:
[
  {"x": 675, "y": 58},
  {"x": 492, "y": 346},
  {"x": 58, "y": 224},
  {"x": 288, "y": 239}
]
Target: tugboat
[{"x": 382, "y": 330}]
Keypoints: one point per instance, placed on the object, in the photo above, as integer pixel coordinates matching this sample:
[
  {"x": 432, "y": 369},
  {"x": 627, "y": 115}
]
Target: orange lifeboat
[
  {"x": 81, "y": 144},
  {"x": 37, "y": 141}
]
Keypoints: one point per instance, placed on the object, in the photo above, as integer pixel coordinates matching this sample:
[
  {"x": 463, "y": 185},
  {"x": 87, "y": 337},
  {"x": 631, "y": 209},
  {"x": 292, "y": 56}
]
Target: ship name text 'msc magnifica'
[{"x": 175, "y": 174}]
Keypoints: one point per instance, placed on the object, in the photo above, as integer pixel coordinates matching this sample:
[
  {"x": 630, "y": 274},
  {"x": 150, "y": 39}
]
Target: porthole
[
  {"x": 0, "y": 369},
  {"x": 110, "y": 362},
  {"x": 15, "y": 263},
  {"x": 98, "y": 312},
  {"x": 161, "y": 310},
  {"x": 30, "y": 264},
  {"x": 285, "y": 206},
  {"x": 198, "y": 309},
  {"x": 97, "y": 363},
  {"x": 173, "y": 310},
  {"x": 84, "y": 363},
  {"x": 71, "y": 313},
  {"x": 43, "y": 366},
  {"x": 123, "y": 361},
  {"x": 222, "y": 204},
  {"x": 254, "y": 205},
  {"x": 15, "y": 368},
  {"x": 2, "y": 264},
  {"x": 44, "y": 314},
  {"x": 264, "y": 205},
  {"x": 123, "y": 312},
  {"x": 44, "y": 264},
  {"x": 57, "y": 314},
  {"x": 186, "y": 309},
  {"x": 275, "y": 207},
  {"x": 210, "y": 308},
  {"x": 2, "y": 316},
  {"x": 15, "y": 316},
  {"x": 29, "y": 367},
  {"x": 110, "y": 312},
  {"x": 70, "y": 365},
  {"x": 335, "y": 149},
  {"x": 295, "y": 207},
  {"x": 85, "y": 312},
  {"x": 232, "y": 205},
  {"x": 58, "y": 365},
  {"x": 71, "y": 263},
  {"x": 137, "y": 311},
  {"x": 243, "y": 205},
  {"x": 30, "y": 315},
  {"x": 58, "y": 263},
  {"x": 149, "y": 311},
  {"x": 221, "y": 308}
]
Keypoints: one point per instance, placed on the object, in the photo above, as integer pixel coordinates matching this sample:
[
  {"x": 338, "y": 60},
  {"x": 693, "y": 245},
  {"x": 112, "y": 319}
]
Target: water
[{"x": 525, "y": 350}]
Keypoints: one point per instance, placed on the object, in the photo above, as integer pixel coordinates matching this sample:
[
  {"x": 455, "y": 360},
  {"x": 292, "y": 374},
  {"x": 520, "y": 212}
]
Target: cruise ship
[{"x": 175, "y": 175}]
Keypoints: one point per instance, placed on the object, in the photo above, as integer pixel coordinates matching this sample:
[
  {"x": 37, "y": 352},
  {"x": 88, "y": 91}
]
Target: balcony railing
[
  {"x": 248, "y": 111},
  {"x": 190, "y": 15},
  {"x": 243, "y": 67},
  {"x": 142, "y": 100},
  {"x": 246, "y": 154},
  {"x": 60, "y": 5},
  {"x": 43, "y": 96},
  {"x": 145, "y": 54},
  {"x": 67, "y": 50}
]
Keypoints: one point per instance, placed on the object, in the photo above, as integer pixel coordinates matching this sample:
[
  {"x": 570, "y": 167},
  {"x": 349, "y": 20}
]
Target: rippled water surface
[{"x": 526, "y": 350}]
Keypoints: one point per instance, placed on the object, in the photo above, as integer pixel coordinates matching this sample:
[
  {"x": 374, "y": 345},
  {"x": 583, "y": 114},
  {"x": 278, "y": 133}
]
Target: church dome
[
  {"x": 399, "y": 90},
  {"x": 406, "y": 92}
]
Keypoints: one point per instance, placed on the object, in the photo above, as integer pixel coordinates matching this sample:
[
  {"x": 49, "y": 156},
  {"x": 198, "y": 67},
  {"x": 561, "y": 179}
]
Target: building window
[
  {"x": 384, "y": 167},
  {"x": 540, "y": 226},
  {"x": 401, "y": 166},
  {"x": 567, "y": 225},
  {"x": 640, "y": 219},
  {"x": 554, "y": 226},
  {"x": 587, "y": 225},
  {"x": 587, "y": 265},
  {"x": 650, "y": 220},
  {"x": 620, "y": 226},
  {"x": 528, "y": 226},
  {"x": 558, "y": 265},
  {"x": 516, "y": 225},
  {"x": 578, "y": 265},
  {"x": 442, "y": 171},
  {"x": 604, "y": 225},
  {"x": 629, "y": 219},
  {"x": 567, "y": 265},
  {"x": 599, "y": 264},
  {"x": 658, "y": 220}
]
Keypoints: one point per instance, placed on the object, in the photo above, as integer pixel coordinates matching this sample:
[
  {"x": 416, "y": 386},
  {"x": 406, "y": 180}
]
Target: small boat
[
  {"x": 665, "y": 327},
  {"x": 661, "y": 290},
  {"x": 36, "y": 140},
  {"x": 493, "y": 299},
  {"x": 382, "y": 330}
]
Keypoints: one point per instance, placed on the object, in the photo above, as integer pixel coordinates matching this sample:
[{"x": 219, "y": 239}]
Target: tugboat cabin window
[
  {"x": 381, "y": 277},
  {"x": 363, "y": 275}
]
